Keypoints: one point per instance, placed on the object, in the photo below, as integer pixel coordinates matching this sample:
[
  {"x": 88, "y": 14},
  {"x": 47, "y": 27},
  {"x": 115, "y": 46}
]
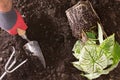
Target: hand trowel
[{"x": 32, "y": 46}]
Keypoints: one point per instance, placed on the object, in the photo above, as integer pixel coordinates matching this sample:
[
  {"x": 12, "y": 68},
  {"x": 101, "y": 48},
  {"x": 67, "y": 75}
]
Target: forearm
[{"x": 5, "y": 5}]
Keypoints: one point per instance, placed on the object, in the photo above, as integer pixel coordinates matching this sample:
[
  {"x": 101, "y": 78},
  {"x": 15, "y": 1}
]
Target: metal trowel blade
[{"x": 35, "y": 49}]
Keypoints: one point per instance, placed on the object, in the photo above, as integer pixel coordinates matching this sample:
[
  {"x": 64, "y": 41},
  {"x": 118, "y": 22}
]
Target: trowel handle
[
  {"x": 22, "y": 33},
  {"x": 25, "y": 37}
]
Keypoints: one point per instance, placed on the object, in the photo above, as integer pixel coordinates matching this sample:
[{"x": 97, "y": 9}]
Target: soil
[{"x": 49, "y": 26}]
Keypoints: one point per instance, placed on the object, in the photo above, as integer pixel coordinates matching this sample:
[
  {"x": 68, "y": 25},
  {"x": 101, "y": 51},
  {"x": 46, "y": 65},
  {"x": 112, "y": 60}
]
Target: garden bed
[{"x": 48, "y": 25}]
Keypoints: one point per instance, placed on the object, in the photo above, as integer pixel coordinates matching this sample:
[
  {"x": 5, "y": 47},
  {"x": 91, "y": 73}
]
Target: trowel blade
[{"x": 35, "y": 49}]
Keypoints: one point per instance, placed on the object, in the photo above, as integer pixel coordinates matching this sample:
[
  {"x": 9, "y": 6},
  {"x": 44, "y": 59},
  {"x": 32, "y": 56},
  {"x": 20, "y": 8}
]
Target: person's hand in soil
[{"x": 10, "y": 19}]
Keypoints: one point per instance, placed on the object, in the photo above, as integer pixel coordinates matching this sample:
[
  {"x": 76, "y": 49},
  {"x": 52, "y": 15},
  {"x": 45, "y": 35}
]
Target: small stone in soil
[{"x": 1, "y": 59}]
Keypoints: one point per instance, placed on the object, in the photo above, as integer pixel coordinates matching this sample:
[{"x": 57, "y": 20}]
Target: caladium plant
[{"x": 94, "y": 58}]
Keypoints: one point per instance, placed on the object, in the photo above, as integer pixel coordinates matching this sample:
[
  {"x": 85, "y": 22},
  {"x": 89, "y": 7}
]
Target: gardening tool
[
  {"x": 9, "y": 67},
  {"x": 32, "y": 47}
]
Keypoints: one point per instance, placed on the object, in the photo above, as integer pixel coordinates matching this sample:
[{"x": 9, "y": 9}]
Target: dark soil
[{"x": 48, "y": 25}]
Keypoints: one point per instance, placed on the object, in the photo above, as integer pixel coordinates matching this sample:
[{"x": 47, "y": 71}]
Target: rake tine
[
  {"x": 10, "y": 71},
  {"x": 13, "y": 63},
  {"x": 1, "y": 77},
  {"x": 8, "y": 67}
]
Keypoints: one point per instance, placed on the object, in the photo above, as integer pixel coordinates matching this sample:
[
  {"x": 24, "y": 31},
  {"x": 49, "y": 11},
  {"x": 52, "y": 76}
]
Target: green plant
[{"x": 95, "y": 59}]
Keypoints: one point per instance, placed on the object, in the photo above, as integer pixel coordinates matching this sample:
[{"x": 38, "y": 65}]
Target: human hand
[{"x": 12, "y": 21}]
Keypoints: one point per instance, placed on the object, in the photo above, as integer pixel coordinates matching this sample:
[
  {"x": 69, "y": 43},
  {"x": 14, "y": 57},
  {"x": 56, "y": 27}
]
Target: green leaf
[
  {"x": 92, "y": 75},
  {"x": 91, "y": 38},
  {"x": 107, "y": 46},
  {"x": 77, "y": 47},
  {"x": 116, "y": 53},
  {"x": 90, "y": 61},
  {"x": 98, "y": 74},
  {"x": 100, "y": 33},
  {"x": 91, "y": 35},
  {"x": 77, "y": 65}
]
